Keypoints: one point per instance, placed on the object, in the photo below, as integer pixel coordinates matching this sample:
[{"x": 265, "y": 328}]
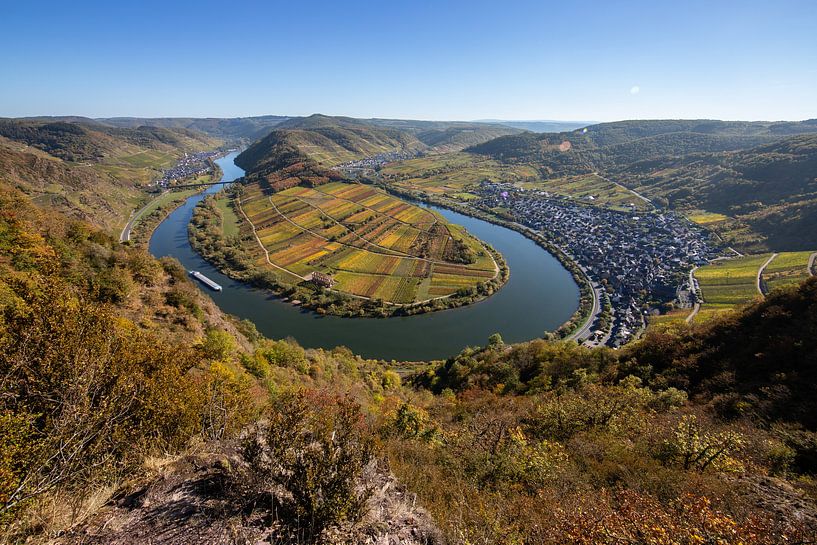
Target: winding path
[
  {"x": 810, "y": 266},
  {"x": 625, "y": 188},
  {"x": 760, "y": 274}
]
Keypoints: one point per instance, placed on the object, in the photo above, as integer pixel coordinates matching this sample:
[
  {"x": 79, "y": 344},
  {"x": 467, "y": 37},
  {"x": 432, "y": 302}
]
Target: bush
[
  {"x": 85, "y": 395},
  {"x": 308, "y": 458}
]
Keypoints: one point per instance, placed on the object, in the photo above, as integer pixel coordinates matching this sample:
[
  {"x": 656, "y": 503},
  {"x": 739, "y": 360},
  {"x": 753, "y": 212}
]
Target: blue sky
[{"x": 570, "y": 60}]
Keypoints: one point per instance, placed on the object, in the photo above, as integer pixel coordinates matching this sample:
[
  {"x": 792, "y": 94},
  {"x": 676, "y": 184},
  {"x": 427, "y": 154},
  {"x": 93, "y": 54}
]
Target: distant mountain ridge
[
  {"x": 248, "y": 128},
  {"x": 88, "y": 140}
]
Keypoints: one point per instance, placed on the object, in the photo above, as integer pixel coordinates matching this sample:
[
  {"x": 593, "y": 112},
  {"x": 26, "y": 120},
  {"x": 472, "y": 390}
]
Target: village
[
  {"x": 374, "y": 162},
  {"x": 640, "y": 260},
  {"x": 190, "y": 165}
]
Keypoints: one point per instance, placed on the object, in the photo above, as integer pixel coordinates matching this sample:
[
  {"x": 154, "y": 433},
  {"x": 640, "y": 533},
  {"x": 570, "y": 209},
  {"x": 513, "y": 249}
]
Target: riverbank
[
  {"x": 141, "y": 225},
  {"x": 538, "y": 297},
  {"x": 238, "y": 256}
]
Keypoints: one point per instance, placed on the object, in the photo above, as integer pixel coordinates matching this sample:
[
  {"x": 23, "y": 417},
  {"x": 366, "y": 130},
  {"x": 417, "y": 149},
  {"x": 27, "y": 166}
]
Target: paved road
[
  {"x": 593, "y": 314},
  {"x": 594, "y": 287},
  {"x": 124, "y": 236},
  {"x": 760, "y": 274},
  {"x": 694, "y": 286},
  {"x": 811, "y": 259}
]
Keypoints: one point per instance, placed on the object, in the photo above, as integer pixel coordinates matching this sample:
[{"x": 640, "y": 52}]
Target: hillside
[
  {"x": 759, "y": 362},
  {"x": 112, "y": 360},
  {"x": 623, "y": 142},
  {"x": 772, "y": 188},
  {"x": 181, "y": 423},
  {"x": 88, "y": 171},
  {"x": 330, "y": 141},
  {"x": 322, "y": 142},
  {"x": 759, "y": 174},
  {"x": 82, "y": 141},
  {"x": 445, "y": 136}
]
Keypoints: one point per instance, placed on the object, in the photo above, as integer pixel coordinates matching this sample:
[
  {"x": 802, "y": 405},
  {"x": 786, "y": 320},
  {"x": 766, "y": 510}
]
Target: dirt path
[
  {"x": 625, "y": 188},
  {"x": 760, "y": 274},
  {"x": 810, "y": 266},
  {"x": 261, "y": 244}
]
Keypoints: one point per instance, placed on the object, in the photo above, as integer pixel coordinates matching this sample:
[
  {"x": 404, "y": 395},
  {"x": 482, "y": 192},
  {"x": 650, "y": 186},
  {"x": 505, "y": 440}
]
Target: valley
[
  {"x": 356, "y": 273},
  {"x": 312, "y": 235},
  {"x": 540, "y": 294}
]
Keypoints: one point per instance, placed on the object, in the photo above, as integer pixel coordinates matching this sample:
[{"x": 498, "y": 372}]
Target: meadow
[
  {"x": 230, "y": 222},
  {"x": 374, "y": 245}
]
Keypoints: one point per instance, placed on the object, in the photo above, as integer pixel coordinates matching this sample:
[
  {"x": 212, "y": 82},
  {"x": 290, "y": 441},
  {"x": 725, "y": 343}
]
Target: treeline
[{"x": 91, "y": 141}]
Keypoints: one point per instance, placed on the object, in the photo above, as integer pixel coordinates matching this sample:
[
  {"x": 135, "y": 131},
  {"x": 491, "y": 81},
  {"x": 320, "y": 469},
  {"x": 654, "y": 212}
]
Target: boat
[{"x": 204, "y": 280}]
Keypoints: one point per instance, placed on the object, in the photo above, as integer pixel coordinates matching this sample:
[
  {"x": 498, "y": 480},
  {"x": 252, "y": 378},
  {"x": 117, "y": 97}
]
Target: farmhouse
[{"x": 322, "y": 280}]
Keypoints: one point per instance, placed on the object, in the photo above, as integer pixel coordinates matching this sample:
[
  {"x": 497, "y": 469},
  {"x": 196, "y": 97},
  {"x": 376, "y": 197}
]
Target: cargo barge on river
[{"x": 206, "y": 281}]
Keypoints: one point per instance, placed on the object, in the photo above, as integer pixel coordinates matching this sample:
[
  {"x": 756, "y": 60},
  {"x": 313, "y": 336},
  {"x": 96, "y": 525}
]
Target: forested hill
[
  {"x": 86, "y": 140},
  {"x": 234, "y": 129},
  {"x": 623, "y": 142},
  {"x": 772, "y": 188},
  {"x": 90, "y": 171},
  {"x": 328, "y": 141}
]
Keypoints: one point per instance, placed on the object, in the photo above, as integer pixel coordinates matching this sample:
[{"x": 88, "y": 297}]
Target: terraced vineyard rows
[{"x": 374, "y": 245}]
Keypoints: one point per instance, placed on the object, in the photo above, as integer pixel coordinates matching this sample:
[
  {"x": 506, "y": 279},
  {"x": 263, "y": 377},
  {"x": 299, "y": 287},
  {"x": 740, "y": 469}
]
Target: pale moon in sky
[{"x": 634, "y": 90}]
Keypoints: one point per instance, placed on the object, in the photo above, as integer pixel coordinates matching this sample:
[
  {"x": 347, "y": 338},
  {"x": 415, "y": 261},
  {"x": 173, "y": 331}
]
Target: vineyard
[
  {"x": 372, "y": 244},
  {"x": 787, "y": 269},
  {"x": 728, "y": 284}
]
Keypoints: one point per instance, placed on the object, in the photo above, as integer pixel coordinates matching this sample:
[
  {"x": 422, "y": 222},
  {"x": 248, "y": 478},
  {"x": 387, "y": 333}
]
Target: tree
[{"x": 691, "y": 447}]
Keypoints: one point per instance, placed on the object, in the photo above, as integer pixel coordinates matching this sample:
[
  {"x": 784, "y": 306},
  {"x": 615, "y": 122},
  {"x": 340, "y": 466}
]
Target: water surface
[{"x": 539, "y": 296}]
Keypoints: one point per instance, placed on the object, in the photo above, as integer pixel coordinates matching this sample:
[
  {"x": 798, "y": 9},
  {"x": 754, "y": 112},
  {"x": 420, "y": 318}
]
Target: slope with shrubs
[
  {"x": 110, "y": 359},
  {"x": 703, "y": 433},
  {"x": 131, "y": 410},
  {"x": 91, "y": 172}
]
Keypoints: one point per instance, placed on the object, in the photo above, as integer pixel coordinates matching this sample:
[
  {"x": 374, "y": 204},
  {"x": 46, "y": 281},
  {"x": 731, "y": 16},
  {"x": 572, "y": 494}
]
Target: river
[{"x": 539, "y": 296}]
